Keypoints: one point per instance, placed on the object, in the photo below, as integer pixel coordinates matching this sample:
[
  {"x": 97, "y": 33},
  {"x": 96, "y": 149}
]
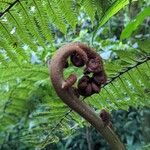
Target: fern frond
[
  {"x": 10, "y": 5},
  {"x": 20, "y": 81},
  {"x": 66, "y": 8},
  {"x": 22, "y": 32},
  {"x": 43, "y": 23},
  {"x": 54, "y": 18},
  {"x": 30, "y": 25},
  {"x": 3, "y": 28},
  {"x": 90, "y": 8},
  {"x": 10, "y": 54}
]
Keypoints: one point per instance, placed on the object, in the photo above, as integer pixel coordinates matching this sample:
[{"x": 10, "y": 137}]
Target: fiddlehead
[{"x": 82, "y": 55}]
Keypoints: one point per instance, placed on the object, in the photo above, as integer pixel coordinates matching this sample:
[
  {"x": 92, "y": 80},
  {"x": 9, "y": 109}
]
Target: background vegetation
[{"x": 31, "y": 114}]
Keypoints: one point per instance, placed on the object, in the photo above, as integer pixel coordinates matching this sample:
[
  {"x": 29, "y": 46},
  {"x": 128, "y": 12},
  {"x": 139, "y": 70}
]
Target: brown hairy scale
[
  {"x": 69, "y": 94},
  {"x": 105, "y": 116}
]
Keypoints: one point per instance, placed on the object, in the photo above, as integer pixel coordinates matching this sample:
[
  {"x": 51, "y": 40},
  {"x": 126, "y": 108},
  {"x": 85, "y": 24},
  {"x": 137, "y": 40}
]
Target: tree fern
[{"x": 25, "y": 92}]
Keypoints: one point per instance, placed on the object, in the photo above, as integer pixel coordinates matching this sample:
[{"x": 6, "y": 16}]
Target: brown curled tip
[
  {"x": 81, "y": 55},
  {"x": 87, "y": 91},
  {"x": 93, "y": 66},
  {"x": 100, "y": 78},
  {"x": 77, "y": 60},
  {"x": 87, "y": 87},
  {"x": 85, "y": 78},
  {"x": 83, "y": 86},
  {"x": 83, "y": 82},
  {"x": 69, "y": 81},
  {"x": 95, "y": 88}
]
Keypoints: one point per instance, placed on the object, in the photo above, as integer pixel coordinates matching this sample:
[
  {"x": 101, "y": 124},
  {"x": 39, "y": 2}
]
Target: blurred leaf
[
  {"x": 145, "y": 45},
  {"x": 116, "y": 6},
  {"x": 133, "y": 25}
]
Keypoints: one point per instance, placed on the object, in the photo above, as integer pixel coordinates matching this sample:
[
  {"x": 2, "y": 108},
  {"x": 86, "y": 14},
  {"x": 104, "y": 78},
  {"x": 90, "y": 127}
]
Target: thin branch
[{"x": 8, "y": 8}]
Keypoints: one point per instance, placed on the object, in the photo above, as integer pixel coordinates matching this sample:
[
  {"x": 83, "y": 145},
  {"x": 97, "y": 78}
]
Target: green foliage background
[
  {"x": 31, "y": 114},
  {"x": 130, "y": 125}
]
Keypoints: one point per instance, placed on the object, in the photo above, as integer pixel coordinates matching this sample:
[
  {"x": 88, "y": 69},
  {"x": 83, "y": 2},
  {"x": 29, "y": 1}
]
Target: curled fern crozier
[{"x": 86, "y": 86}]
